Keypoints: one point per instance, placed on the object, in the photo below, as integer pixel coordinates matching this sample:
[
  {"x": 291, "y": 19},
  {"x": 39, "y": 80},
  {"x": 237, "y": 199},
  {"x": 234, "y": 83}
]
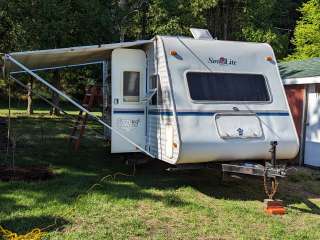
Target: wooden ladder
[{"x": 92, "y": 95}]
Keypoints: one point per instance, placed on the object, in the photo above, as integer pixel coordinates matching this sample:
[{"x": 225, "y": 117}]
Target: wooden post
[{"x": 29, "y": 96}]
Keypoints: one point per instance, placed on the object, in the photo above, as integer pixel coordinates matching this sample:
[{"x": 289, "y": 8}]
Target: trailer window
[
  {"x": 131, "y": 86},
  {"x": 206, "y": 86}
]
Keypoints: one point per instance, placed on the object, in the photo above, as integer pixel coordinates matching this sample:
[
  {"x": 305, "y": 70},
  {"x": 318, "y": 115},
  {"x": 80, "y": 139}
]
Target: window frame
[
  {"x": 227, "y": 102},
  {"x": 122, "y": 89}
]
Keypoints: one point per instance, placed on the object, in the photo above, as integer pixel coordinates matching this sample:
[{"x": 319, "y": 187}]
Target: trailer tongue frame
[{"x": 270, "y": 171}]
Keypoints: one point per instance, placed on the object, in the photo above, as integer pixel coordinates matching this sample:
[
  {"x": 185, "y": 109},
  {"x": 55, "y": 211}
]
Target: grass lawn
[{"x": 153, "y": 204}]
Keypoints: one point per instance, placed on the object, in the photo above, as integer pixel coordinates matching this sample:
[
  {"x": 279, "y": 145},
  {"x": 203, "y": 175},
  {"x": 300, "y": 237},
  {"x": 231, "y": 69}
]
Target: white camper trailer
[{"x": 184, "y": 100}]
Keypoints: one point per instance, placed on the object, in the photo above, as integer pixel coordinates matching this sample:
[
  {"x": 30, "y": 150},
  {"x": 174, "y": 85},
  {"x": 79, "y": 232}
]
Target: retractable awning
[
  {"x": 30, "y": 61},
  {"x": 52, "y": 58}
]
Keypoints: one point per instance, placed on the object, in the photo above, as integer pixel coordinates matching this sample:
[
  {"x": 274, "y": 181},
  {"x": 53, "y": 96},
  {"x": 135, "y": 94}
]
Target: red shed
[{"x": 301, "y": 80}]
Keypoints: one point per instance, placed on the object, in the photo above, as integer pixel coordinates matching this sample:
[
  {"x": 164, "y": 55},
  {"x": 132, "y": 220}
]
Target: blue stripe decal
[
  {"x": 162, "y": 113},
  {"x": 170, "y": 114},
  {"x": 195, "y": 113},
  {"x": 272, "y": 114},
  {"x": 128, "y": 112}
]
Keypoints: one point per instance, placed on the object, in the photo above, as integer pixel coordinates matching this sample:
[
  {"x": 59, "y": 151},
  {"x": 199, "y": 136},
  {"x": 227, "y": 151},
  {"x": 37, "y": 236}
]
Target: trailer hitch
[
  {"x": 269, "y": 171},
  {"x": 272, "y": 190}
]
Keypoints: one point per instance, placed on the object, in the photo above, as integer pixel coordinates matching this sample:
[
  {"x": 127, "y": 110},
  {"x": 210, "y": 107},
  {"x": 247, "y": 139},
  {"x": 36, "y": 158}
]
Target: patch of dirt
[{"x": 30, "y": 173}]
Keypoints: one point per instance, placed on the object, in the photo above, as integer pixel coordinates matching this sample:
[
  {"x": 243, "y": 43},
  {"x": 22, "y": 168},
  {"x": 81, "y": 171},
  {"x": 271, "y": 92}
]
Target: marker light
[
  {"x": 173, "y": 53},
  {"x": 269, "y": 58}
]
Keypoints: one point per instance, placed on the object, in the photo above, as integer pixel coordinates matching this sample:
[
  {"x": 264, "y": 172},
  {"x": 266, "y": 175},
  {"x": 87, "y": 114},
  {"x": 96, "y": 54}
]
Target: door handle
[{"x": 116, "y": 101}]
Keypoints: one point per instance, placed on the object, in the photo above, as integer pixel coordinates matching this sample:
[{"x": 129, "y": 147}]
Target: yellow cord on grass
[{"x": 37, "y": 233}]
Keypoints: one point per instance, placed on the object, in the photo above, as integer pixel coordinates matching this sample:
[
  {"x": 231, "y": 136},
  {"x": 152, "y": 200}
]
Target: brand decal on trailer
[
  {"x": 223, "y": 61},
  {"x": 240, "y": 131},
  {"x": 128, "y": 124}
]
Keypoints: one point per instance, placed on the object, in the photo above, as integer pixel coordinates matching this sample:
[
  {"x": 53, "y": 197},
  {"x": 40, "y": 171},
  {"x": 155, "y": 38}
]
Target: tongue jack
[{"x": 272, "y": 206}]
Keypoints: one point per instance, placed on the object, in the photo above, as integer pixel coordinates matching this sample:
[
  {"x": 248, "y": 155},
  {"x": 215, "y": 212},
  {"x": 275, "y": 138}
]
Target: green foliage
[
  {"x": 279, "y": 42},
  {"x": 176, "y": 17},
  {"x": 38, "y": 24},
  {"x": 268, "y": 21},
  {"x": 54, "y": 24},
  {"x": 11, "y": 32},
  {"x": 307, "y": 32}
]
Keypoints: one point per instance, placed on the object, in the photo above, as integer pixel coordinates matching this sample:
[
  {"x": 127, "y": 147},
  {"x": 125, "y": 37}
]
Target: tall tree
[
  {"x": 268, "y": 21},
  {"x": 55, "y": 97},
  {"x": 307, "y": 32},
  {"x": 29, "y": 96},
  {"x": 176, "y": 17},
  {"x": 11, "y": 31}
]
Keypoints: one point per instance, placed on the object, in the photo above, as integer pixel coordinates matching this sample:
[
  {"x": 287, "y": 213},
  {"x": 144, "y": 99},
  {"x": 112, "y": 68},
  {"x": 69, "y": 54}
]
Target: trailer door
[{"x": 128, "y": 88}]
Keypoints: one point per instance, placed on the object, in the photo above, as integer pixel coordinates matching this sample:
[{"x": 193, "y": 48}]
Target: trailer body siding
[
  {"x": 161, "y": 121},
  {"x": 203, "y": 137}
]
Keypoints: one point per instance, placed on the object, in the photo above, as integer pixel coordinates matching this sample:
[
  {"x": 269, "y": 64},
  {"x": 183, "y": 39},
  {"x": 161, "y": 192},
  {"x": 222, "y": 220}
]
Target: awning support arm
[{"x": 60, "y": 93}]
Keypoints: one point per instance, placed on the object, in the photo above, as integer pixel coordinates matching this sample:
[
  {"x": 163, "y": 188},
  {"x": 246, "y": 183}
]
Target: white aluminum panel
[{"x": 127, "y": 117}]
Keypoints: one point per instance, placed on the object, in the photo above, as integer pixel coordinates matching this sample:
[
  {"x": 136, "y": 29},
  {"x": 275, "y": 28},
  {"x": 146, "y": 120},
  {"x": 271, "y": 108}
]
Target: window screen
[
  {"x": 205, "y": 86},
  {"x": 131, "y": 86}
]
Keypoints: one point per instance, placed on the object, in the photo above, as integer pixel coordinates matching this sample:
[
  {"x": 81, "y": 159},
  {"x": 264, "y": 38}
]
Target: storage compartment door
[{"x": 238, "y": 126}]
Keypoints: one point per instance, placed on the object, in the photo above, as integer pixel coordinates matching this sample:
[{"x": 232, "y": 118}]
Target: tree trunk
[
  {"x": 226, "y": 19},
  {"x": 29, "y": 96},
  {"x": 55, "y": 96},
  {"x": 144, "y": 9}
]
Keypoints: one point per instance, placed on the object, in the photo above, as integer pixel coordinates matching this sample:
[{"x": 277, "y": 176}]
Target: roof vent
[{"x": 202, "y": 34}]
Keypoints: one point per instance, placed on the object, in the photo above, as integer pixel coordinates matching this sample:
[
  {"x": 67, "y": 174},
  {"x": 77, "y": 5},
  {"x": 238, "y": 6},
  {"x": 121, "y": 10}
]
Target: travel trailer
[{"x": 180, "y": 99}]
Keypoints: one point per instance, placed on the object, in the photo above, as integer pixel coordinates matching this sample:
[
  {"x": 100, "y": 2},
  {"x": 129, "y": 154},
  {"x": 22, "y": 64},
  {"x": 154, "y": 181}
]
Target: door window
[{"x": 131, "y": 86}]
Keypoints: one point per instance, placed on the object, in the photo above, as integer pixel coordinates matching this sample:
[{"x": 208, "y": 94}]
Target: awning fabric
[{"x": 42, "y": 59}]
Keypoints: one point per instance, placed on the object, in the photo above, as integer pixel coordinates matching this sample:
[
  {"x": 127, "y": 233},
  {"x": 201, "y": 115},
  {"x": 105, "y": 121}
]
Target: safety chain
[{"x": 274, "y": 184}]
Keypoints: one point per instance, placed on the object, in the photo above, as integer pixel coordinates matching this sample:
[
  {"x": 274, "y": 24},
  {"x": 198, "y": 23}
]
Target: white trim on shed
[{"x": 304, "y": 80}]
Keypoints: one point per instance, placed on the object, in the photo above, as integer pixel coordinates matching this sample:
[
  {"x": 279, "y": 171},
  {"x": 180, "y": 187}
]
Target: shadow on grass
[
  {"x": 77, "y": 171},
  {"x": 23, "y": 225},
  {"x": 9, "y": 205},
  {"x": 313, "y": 208},
  {"x": 66, "y": 186}
]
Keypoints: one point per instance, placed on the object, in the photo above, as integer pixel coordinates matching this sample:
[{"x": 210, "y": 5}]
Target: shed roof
[{"x": 300, "y": 72}]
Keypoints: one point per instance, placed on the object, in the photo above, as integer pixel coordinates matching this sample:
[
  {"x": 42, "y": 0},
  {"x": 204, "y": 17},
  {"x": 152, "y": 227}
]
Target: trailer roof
[
  {"x": 51, "y": 58},
  {"x": 300, "y": 72}
]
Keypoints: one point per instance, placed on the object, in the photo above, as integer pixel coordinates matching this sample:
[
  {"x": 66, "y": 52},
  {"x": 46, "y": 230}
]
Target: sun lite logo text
[{"x": 222, "y": 61}]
